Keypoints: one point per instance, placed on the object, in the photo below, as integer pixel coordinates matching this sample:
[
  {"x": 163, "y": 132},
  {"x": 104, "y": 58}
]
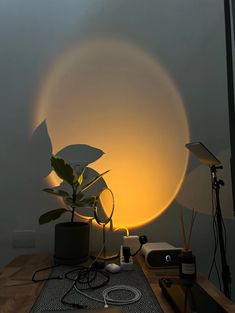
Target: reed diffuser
[{"x": 187, "y": 261}]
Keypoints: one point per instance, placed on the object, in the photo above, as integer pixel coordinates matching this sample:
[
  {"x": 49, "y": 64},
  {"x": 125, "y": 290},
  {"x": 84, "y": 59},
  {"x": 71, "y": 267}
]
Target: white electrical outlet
[{"x": 23, "y": 238}]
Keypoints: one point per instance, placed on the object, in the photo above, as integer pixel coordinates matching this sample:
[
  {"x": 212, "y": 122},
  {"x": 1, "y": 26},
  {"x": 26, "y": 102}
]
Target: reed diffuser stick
[
  {"x": 182, "y": 227},
  {"x": 191, "y": 228},
  {"x": 187, "y": 240}
]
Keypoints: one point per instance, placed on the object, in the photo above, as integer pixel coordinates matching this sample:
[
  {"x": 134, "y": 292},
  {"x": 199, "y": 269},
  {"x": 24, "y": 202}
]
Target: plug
[
  {"x": 126, "y": 262},
  {"x": 126, "y": 254},
  {"x": 143, "y": 239}
]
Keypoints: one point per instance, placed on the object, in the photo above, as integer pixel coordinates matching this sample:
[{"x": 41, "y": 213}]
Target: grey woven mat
[{"x": 53, "y": 290}]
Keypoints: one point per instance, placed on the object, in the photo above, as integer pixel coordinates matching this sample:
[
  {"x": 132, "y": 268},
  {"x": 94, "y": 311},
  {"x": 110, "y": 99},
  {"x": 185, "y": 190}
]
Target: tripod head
[{"x": 216, "y": 183}]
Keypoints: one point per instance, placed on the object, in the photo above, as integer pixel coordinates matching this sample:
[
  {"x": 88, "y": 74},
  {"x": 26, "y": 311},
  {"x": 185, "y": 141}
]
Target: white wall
[{"x": 188, "y": 39}]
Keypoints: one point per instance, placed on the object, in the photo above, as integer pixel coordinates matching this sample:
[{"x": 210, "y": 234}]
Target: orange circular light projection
[{"x": 113, "y": 95}]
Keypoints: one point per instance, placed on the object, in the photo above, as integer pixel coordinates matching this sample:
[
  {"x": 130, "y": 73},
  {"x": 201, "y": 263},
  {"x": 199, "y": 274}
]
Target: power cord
[
  {"x": 83, "y": 278},
  {"x": 87, "y": 276},
  {"x": 215, "y": 234},
  {"x": 48, "y": 278},
  {"x": 108, "y": 300},
  {"x": 127, "y": 251},
  {"x": 216, "y": 231},
  {"x": 143, "y": 240}
]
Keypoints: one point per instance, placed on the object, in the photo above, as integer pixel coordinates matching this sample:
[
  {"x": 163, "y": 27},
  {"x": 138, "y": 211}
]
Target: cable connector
[{"x": 126, "y": 260}]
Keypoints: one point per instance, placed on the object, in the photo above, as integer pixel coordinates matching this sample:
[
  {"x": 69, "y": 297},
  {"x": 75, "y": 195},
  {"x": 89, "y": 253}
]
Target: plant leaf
[
  {"x": 90, "y": 200},
  {"x": 80, "y": 178},
  {"x": 63, "y": 169},
  {"x": 78, "y": 168},
  {"x": 79, "y": 196},
  {"x": 68, "y": 201},
  {"x": 51, "y": 215},
  {"x": 81, "y": 201},
  {"x": 94, "y": 180},
  {"x": 56, "y": 192},
  {"x": 77, "y": 203}
]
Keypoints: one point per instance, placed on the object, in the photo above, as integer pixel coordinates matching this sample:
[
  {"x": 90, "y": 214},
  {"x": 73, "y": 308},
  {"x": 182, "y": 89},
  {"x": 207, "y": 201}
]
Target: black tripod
[{"x": 226, "y": 277}]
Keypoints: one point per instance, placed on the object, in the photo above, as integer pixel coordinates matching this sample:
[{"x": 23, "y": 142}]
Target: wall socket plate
[{"x": 25, "y": 238}]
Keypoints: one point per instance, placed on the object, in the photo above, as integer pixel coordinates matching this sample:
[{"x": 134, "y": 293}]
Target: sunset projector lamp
[{"x": 160, "y": 255}]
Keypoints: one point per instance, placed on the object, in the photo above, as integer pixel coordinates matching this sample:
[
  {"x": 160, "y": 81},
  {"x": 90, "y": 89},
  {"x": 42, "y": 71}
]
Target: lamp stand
[
  {"x": 230, "y": 86},
  {"x": 226, "y": 277},
  {"x": 104, "y": 256}
]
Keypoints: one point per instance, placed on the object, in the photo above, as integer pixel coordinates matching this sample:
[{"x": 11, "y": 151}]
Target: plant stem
[
  {"x": 74, "y": 200},
  {"x": 72, "y": 218}
]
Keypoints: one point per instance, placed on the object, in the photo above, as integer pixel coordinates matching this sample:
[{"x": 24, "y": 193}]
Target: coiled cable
[{"x": 108, "y": 300}]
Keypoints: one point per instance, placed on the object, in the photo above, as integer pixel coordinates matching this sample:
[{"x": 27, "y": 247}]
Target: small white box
[
  {"x": 132, "y": 242},
  {"x": 160, "y": 254}
]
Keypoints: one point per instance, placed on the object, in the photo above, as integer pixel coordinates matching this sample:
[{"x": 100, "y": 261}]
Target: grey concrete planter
[{"x": 71, "y": 242}]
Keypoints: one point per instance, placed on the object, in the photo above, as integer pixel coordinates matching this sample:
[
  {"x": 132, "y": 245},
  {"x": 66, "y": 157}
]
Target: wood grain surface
[{"x": 17, "y": 290}]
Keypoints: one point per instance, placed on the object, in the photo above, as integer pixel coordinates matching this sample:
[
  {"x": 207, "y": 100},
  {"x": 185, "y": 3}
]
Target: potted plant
[{"x": 71, "y": 238}]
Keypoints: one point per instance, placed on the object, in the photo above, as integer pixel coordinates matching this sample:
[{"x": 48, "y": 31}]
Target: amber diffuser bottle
[
  {"x": 187, "y": 261},
  {"x": 187, "y": 265}
]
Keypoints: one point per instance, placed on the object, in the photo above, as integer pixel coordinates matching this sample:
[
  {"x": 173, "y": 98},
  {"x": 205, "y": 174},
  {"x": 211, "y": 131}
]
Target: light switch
[{"x": 23, "y": 238}]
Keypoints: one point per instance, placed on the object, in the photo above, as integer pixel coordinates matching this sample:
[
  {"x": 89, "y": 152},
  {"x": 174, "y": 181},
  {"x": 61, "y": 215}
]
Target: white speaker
[{"x": 160, "y": 254}]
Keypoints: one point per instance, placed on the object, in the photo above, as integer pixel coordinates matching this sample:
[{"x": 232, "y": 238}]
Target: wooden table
[
  {"x": 153, "y": 276},
  {"x": 18, "y": 293}
]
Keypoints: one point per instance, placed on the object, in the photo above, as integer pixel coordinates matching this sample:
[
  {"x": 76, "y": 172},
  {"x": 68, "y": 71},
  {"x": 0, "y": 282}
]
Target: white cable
[{"x": 108, "y": 300}]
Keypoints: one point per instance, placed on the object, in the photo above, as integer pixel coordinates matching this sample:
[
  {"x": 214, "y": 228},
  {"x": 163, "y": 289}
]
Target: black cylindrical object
[
  {"x": 71, "y": 242},
  {"x": 126, "y": 254},
  {"x": 187, "y": 265}
]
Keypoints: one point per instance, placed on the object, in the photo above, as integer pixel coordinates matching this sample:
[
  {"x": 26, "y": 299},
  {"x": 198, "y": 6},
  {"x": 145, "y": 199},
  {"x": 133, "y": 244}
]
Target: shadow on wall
[
  {"x": 36, "y": 169},
  {"x": 76, "y": 154}
]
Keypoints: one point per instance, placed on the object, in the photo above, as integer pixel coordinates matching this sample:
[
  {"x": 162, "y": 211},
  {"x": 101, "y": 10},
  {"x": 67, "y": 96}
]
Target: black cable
[
  {"x": 85, "y": 278},
  {"x": 215, "y": 234},
  {"x": 91, "y": 280},
  {"x": 218, "y": 276},
  {"x": 214, "y": 230},
  {"x": 66, "y": 275},
  {"x": 217, "y": 244},
  {"x": 215, "y": 227},
  {"x": 48, "y": 278},
  {"x": 224, "y": 234},
  {"x": 142, "y": 239},
  {"x": 137, "y": 250},
  {"x": 193, "y": 301},
  {"x": 77, "y": 305},
  {"x": 185, "y": 299}
]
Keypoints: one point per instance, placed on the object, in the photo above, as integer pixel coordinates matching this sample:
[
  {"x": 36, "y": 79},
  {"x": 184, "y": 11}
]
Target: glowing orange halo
[{"x": 113, "y": 95}]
